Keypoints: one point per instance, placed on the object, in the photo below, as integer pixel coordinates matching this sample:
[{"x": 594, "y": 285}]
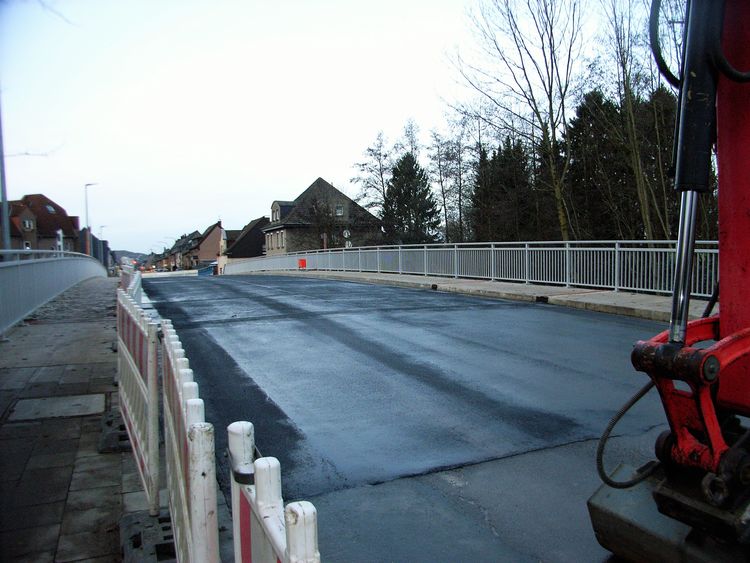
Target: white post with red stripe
[
  {"x": 264, "y": 531},
  {"x": 189, "y": 453},
  {"x": 138, "y": 391}
]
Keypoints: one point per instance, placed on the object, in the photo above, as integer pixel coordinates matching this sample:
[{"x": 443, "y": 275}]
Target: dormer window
[
  {"x": 28, "y": 225},
  {"x": 50, "y": 209}
]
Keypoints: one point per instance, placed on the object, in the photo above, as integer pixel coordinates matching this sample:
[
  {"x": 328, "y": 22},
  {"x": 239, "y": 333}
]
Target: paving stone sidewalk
[{"x": 61, "y": 499}]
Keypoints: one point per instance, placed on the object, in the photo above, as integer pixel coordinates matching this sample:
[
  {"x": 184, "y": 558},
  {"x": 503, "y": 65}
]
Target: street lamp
[{"x": 88, "y": 225}]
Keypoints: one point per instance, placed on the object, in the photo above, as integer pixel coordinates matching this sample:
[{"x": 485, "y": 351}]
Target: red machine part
[
  {"x": 692, "y": 415},
  {"x": 733, "y": 146}
]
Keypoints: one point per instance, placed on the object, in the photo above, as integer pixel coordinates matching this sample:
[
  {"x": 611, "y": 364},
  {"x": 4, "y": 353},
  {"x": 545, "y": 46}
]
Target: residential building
[
  {"x": 247, "y": 243},
  {"x": 205, "y": 249},
  {"x": 37, "y": 222},
  {"x": 321, "y": 217}
]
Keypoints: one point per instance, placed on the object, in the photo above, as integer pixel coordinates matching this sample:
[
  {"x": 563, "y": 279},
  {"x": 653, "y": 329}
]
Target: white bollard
[
  {"x": 267, "y": 530},
  {"x": 241, "y": 444},
  {"x": 203, "y": 516},
  {"x": 301, "y": 520}
]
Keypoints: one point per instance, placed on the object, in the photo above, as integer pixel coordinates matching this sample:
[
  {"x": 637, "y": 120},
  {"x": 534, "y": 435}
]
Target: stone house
[
  {"x": 35, "y": 221},
  {"x": 321, "y": 217}
]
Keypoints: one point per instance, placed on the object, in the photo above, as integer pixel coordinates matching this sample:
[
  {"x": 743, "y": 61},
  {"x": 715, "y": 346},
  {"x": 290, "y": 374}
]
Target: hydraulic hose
[{"x": 605, "y": 437}]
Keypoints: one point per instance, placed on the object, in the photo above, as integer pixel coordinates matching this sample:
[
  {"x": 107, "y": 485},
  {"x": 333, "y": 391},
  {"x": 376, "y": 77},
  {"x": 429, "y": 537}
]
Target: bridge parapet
[{"x": 31, "y": 278}]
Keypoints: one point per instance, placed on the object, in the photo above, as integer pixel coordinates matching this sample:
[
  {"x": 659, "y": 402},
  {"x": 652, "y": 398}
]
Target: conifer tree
[{"x": 410, "y": 212}]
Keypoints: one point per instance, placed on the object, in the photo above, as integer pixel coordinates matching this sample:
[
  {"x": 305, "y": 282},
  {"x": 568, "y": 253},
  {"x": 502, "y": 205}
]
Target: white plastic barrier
[
  {"x": 130, "y": 281},
  {"x": 139, "y": 391},
  {"x": 265, "y": 531},
  {"x": 189, "y": 453}
]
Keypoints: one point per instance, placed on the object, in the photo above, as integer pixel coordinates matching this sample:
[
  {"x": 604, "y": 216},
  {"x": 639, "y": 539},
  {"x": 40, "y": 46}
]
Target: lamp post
[{"x": 88, "y": 225}]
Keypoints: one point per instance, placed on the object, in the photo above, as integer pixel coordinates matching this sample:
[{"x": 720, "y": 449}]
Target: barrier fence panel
[
  {"x": 189, "y": 454},
  {"x": 265, "y": 531},
  {"x": 139, "y": 391}
]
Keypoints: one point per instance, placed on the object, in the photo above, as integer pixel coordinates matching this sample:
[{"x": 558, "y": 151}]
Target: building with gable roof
[
  {"x": 35, "y": 221},
  {"x": 320, "y": 217}
]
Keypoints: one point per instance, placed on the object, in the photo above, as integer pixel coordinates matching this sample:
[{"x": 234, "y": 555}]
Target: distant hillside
[{"x": 139, "y": 256}]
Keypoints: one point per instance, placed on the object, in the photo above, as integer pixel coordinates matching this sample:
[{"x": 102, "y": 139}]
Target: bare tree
[
  {"x": 530, "y": 49},
  {"x": 374, "y": 173},
  {"x": 439, "y": 164}
]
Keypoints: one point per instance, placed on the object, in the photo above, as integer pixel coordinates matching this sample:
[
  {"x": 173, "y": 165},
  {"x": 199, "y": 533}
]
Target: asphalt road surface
[{"x": 424, "y": 426}]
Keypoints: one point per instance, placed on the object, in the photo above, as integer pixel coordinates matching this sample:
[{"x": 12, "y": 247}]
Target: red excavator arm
[{"x": 704, "y": 477}]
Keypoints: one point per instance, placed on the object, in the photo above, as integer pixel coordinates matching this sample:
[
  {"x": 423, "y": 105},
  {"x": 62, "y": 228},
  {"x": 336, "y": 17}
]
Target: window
[
  {"x": 27, "y": 245},
  {"x": 283, "y": 239},
  {"x": 50, "y": 208},
  {"x": 28, "y": 224},
  {"x": 339, "y": 210}
]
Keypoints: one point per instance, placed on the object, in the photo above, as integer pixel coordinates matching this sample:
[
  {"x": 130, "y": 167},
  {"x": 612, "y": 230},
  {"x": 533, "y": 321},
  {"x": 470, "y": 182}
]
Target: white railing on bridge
[
  {"x": 641, "y": 266},
  {"x": 30, "y": 278}
]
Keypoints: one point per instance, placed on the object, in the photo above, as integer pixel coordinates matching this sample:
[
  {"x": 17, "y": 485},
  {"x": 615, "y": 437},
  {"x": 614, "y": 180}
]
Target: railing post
[
  {"x": 425, "y": 259},
  {"x": 399, "y": 259},
  {"x": 359, "y": 259},
  {"x": 377, "y": 256},
  {"x": 455, "y": 260},
  {"x": 567, "y": 264},
  {"x": 527, "y": 266},
  {"x": 202, "y": 479},
  {"x": 492, "y": 261},
  {"x": 241, "y": 443},
  {"x": 301, "y": 527},
  {"x": 152, "y": 380},
  {"x": 617, "y": 266}
]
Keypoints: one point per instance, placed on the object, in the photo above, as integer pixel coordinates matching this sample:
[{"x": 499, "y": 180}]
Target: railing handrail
[{"x": 632, "y": 265}]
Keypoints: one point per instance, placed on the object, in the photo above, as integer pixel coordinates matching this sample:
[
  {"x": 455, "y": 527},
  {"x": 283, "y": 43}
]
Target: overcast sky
[{"x": 186, "y": 112}]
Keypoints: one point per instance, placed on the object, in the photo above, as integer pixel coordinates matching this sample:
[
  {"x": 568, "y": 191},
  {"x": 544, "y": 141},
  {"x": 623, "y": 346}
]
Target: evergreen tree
[{"x": 410, "y": 212}]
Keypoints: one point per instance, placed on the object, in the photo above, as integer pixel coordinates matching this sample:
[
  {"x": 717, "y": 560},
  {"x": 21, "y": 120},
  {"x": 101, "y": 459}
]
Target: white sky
[{"x": 186, "y": 112}]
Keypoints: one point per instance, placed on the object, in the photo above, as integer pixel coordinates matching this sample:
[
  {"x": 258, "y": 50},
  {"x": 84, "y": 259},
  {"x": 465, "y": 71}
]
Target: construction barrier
[
  {"x": 139, "y": 390},
  {"x": 189, "y": 453},
  {"x": 265, "y": 531}
]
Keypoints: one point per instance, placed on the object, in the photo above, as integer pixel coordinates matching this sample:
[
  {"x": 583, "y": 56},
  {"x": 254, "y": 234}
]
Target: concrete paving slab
[
  {"x": 91, "y": 520},
  {"x": 101, "y": 497},
  {"x": 18, "y": 518},
  {"x": 53, "y": 407},
  {"x": 28, "y": 541},
  {"x": 87, "y": 545}
]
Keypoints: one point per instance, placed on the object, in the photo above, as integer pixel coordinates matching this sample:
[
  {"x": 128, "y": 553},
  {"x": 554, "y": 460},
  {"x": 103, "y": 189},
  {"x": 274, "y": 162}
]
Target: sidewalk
[
  {"x": 641, "y": 305},
  {"x": 61, "y": 499}
]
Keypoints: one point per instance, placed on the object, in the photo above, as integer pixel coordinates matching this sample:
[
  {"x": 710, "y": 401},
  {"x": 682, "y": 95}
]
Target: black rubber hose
[
  {"x": 606, "y": 479},
  {"x": 653, "y": 35}
]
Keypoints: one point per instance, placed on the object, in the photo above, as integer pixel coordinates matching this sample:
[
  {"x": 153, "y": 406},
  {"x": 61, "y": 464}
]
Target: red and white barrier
[
  {"x": 131, "y": 282},
  {"x": 265, "y": 531},
  {"x": 189, "y": 453},
  {"x": 139, "y": 391}
]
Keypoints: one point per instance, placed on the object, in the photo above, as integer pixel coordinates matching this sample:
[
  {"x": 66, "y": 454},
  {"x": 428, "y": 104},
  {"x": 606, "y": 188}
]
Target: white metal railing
[
  {"x": 641, "y": 266},
  {"x": 30, "y": 278},
  {"x": 139, "y": 391},
  {"x": 264, "y": 530},
  {"x": 189, "y": 454}
]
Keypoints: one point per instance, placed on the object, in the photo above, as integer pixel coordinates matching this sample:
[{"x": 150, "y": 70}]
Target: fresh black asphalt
[{"x": 373, "y": 392}]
